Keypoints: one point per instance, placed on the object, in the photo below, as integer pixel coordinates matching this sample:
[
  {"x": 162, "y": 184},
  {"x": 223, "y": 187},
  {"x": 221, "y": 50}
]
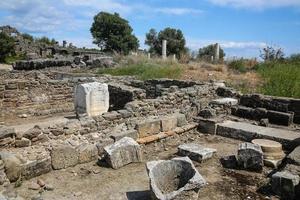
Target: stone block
[
  {"x": 284, "y": 184},
  {"x": 63, "y": 156},
  {"x": 175, "y": 179},
  {"x": 229, "y": 162},
  {"x": 196, "y": 152},
  {"x": 125, "y": 113},
  {"x": 208, "y": 125},
  {"x": 168, "y": 123},
  {"x": 250, "y": 156},
  {"x": 207, "y": 113},
  {"x": 225, "y": 101},
  {"x": 129, "y": 133},
  {"x": 13, "y": 165},
  {"x": 6, "y": 132},
  {"x": 103, "y": 143},
  {"x": 294, "y": 156},
  {"x": 23, "y": 142},
  {"x": 280, "y": 118},
  {"x": 91, "y": 99},
  {"x": 34, "y": 168},
  {"x": 112, "y": 116},
  {"x": 33, "y": 132},
  {"x": 181, "y": 120},
  {"x": 148, "y": 127},
  {"x": 123, "y": 152},
  {"x": 87, "y": 153}
]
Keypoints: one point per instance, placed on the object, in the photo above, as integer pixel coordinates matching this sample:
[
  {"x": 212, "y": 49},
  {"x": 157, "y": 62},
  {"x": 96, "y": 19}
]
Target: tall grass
[
  {"x": 280, "y": 79},
  {"x": 145, "y": 69}
]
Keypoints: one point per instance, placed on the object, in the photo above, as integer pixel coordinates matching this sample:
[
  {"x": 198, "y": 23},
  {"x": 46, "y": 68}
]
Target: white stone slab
[
  {"x": 223, "y": 101},
  {"x": 91, "y": 98},
  {"x": 196, "y": 152}
]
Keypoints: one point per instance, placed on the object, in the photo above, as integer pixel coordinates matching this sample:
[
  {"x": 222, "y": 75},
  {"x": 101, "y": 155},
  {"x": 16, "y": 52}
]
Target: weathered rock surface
[
  {"x": 129, "y": 133},
  {"x": 284, "y": 184},
  {"x": 229, "y": 162},
  {"x": 13, "y": 165},
  {"x": 123, "y": 152},
  {"x": 148, "y": 127},
  {"x": 63, "y": 156},
  {"x": 168, "y": 123},
  {"x": 175, "y": 179},
  {"x": 196, "y": 152},
  {"x": 250, "y": 156},
  {"x": 207, "y": 113},
  {"x": 294, "y": 156}
]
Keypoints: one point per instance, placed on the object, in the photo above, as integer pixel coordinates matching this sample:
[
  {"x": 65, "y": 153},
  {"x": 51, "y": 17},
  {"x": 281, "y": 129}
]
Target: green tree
[
  {"x": 208, "y": 51},
  {"x": 27, "y": 36},
  {"x": 113, "y": 33},
  {"x": 175, "y": 41},
  {"x": 45, "y": 40},
  {"x": 7, "y": 45}
]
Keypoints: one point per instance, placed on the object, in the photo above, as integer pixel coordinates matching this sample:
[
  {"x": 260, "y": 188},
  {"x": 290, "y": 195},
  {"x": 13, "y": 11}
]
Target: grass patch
[
  {"x": 14, "y": 58},
  {"x": 280, "y": 79},
  {"x": 238, "y": 65},
  {"x": 146, "y": 70}
]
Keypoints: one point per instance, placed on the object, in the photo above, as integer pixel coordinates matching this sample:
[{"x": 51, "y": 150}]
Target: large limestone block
[
  {"x": 175, "y": 179},
  {"x": 250, "y": 156},
  {"x": 123, "y": 152},
  {"x": 148, "y": 127},
  {"x": 91, "y": 98},
  {"x": 168, "y": 123},
  {"x": 63, "y": 156}
]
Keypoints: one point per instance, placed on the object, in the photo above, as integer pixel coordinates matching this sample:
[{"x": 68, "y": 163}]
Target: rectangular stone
[
  {"x": 196, "y": 152},
  {"x": 129, "y": 133},
  {"x": 207, "y": 125},
  {"x": 149, "y": 127},
  {"x": 280, "y": 118},
  {"x": 6, "y": 132},
  {"x": 168, "y": 123},
  {"x": 284, "y": 184},
  {"x": 91, "y": 99},
  {"x": 63, "y": 156},
  {"x": 247, "y": 132}
]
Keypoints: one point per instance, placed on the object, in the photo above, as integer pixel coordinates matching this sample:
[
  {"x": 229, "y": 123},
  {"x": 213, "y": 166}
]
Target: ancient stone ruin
[{"x": 61, "y": 129}]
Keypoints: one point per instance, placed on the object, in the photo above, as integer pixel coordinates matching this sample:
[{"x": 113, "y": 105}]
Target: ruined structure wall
[{"x": 38, "y": 97}]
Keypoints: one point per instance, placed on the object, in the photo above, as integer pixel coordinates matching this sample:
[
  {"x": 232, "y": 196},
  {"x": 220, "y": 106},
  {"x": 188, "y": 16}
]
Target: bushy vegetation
[
  {"x": 45, "y": 40},
  {"x": 146, "y": 69},
  {"x": 7, "y": 45},
  {"x": 238, "y": 65},
  {"x": 280, "y": 78}
]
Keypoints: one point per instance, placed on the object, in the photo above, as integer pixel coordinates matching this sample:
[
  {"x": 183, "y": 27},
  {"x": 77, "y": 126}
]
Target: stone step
[{"x": 247, "y": 132}]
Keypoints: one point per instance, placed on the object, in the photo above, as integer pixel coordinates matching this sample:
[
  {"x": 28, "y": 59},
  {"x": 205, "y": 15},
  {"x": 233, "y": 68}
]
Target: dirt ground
[{"x": 97, "y": 181}]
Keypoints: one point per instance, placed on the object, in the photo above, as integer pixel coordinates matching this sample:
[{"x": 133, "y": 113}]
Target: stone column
[
  {"x": 164, "y": 49},
  {"x": 64, "y": 43},
  {"x": 174, "y": 57},
  {"x": 217, "y": 52},
  {"x": 149, "y": 56}
]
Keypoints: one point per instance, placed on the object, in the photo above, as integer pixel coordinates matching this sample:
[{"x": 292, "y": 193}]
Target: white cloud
[
  {"x": 256, "y": 4},
  {"x": 196, "y": 44},
  {"x": 178, "y": 11}
]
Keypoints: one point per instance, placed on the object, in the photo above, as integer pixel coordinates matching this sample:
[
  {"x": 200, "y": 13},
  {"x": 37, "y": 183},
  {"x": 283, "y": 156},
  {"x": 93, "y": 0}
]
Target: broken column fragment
[
  {"x": 91, "y": 99},
  {"x": 250, "y": 156},
  {"x": 123, "y": 152},
  {"x": 196, "y": 152},
  {"x": 174, "y": 179}
]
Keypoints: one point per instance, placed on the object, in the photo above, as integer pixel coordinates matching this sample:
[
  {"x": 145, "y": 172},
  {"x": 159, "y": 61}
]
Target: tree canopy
[
  {"x": 175, "y": 41},
  {"x": 208, "y": 51},
  {"x": 113, "y": 33},
  {"x": 7, "y": 44}
]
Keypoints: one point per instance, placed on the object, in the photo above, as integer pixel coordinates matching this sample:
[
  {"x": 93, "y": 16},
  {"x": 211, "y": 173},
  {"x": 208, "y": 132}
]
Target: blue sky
[{"x": 242, "y": 27}]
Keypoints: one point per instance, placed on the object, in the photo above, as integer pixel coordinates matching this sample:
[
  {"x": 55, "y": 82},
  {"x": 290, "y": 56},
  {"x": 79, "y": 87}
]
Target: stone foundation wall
[
  {"x": 280, "y": 104},
  {"x": 35, "y": 97}
]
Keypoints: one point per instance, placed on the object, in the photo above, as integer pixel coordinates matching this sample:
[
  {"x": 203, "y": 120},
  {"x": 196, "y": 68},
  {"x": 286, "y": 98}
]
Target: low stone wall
[
  {"x": 41, "y": 64},
  {"x": 35, "y": 97},
  {"x": 281, "y": 104}
]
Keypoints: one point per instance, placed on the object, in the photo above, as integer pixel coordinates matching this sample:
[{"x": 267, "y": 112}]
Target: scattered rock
[
  {"x": 207, "y": 113},
  {"x": 264, "y": 122},
  {"x": 34, "y": 186},
  {"x": 250, "y": 156},
  {"x": 33, "y": 132},
  {"x": 123, "y": 152},
  {"x": 229, "y": 162},
  {"x": 284, "y": 183},
  {"x": 196, "y": 152}
]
